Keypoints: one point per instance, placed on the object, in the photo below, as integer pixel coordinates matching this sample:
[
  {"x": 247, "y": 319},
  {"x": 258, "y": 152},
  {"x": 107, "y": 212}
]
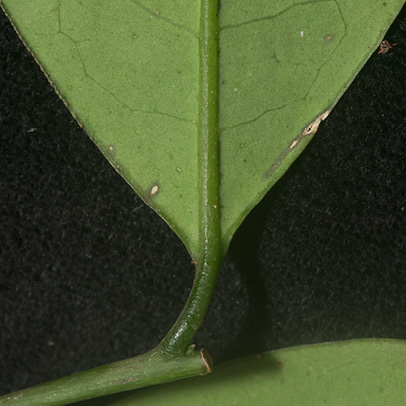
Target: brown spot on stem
[{"x": 207, "y": 360}]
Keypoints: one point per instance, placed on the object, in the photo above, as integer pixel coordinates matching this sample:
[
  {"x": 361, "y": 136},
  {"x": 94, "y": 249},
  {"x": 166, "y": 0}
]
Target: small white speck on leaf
[
  {"x": 302, "y": 33},
  {"x": 154, "y": 190}
]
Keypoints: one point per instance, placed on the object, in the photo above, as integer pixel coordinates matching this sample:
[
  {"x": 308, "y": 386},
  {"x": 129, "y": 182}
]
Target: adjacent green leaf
[
  {"x": 129, "y": 71},
  {"x": 358, "y": 373}
]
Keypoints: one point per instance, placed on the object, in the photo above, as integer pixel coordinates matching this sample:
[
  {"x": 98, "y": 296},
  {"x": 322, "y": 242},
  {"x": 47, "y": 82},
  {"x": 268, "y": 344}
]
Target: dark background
[{"x": 89, "y": 274}]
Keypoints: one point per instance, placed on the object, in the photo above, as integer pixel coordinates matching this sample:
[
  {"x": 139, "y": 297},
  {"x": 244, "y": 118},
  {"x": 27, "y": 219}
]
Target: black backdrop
[{"x": 89, "y": 275}]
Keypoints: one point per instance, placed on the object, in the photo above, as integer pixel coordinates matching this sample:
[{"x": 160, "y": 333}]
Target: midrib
[{"x": 208, "y": 143}]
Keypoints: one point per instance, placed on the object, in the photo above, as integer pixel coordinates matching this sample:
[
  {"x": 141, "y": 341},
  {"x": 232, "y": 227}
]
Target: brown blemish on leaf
[
  {"x": 385, "y": 46},
  {"x": 328, "y": 38},
  {"x": 308, "y": 131},
  {"x": 313, "y": 126}
]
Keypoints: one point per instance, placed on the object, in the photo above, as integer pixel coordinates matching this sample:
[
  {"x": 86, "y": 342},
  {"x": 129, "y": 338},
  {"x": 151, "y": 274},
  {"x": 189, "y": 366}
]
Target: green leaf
[
  {"x": 129, "y": 72},
  {"x": 360, "y": 372}
]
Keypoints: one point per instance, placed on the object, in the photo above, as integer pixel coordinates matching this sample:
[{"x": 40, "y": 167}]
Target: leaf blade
[{"x": 141, "y": 77}]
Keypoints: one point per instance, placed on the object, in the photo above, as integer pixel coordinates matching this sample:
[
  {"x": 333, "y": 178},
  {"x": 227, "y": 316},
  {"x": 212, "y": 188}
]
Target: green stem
[
  {"x": 148, "y": 369},
  {"x": 209, "y": 260}
]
